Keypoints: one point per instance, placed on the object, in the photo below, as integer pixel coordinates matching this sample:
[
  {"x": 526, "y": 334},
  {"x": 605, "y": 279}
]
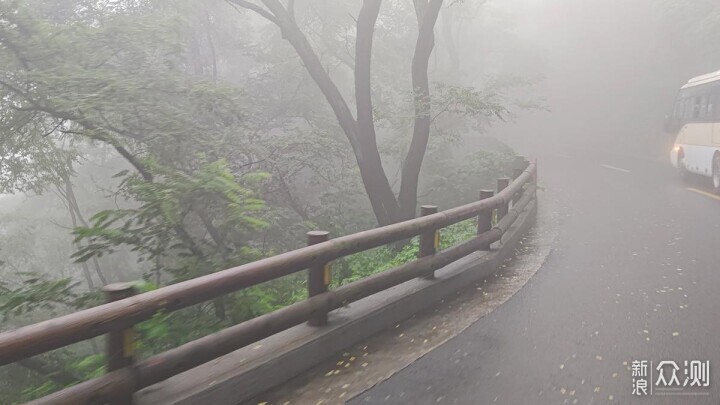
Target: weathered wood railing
[{"x": 117, "y": 317}]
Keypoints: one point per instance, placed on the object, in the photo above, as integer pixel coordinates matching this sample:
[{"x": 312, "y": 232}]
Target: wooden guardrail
[{"x": 116, "y": 318}]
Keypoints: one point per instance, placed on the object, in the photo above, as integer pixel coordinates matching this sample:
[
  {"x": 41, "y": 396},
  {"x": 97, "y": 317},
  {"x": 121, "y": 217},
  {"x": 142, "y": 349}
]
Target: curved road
[{"x": 634, "y": 275}]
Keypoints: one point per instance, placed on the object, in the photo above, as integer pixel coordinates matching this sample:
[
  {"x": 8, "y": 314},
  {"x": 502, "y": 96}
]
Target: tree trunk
[
  {"x": 362, "y": 138},
  {"x": 361, "y": 132},
  {"x": 73, "y": 219},
  {"x": 223, "y": 249},
  {"x": 74, "y": 206},
  {"x": 427, "y": 17},
  {"x": 374, "y": 178}
]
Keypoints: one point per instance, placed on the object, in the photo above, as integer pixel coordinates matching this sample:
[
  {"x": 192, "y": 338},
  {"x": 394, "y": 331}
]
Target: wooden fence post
[
  {"x": 516, "y": 196},
  {"x": 520, "y": 163},
  {"x": 120, "y": 349},
  {"x": 319, "y": 277},
  {"x": 430, "y": 240},
  {"x": 502, "y": 210},
  {"x": 485, "y": 218}
]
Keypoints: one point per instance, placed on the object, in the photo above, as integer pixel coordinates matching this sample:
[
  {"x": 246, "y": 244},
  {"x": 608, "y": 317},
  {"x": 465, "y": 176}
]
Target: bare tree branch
[
  {"x": 291, "y": 9},
  {"x": 134, "y": 162},
  {"x": 363, "y": 56},
  {"x": 254, "y": 7},
  {"x": 87, "y": 124}
]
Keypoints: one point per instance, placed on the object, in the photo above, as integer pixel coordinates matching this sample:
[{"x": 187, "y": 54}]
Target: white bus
[{"x": 695, "y": 122}]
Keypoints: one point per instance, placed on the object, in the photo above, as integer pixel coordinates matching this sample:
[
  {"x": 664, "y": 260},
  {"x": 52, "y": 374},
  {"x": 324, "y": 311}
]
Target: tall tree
[{"x": 360, "y": 128}]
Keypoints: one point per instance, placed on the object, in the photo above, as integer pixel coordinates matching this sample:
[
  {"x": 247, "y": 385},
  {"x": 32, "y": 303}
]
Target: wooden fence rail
[{"x": 117, "y": 317}]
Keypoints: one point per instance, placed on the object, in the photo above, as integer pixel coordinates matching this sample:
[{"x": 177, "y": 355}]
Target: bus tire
[{"x": 716, "y": 173}]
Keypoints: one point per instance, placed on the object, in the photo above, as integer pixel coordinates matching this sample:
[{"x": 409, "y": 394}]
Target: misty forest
[{"x": 157, "y": 141}]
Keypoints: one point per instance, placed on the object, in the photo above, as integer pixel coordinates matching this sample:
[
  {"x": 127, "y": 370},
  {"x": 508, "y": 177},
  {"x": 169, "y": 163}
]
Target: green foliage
[
  {"x": 364, "y": 264},
  {"x": 463, "y": 101},
  {"x": 168, "y": 330},
  {"x": 83, "y": 368},
  {"x": 36, "y": 293},
  {"x": 90, "y": 366},
  {"x": 454, "y": 182},
  {"x": 28, "y": 163},
  {"x": 158, "y": 229},
  {"x": 361, "y": 265},
  {"x": 458, "y": 233},
  {"x": 118, "y": 78},
  {"x": 40, "y": 293},
  {"x": 224, "y": 156},
  {"x": 45, "y": 388}
]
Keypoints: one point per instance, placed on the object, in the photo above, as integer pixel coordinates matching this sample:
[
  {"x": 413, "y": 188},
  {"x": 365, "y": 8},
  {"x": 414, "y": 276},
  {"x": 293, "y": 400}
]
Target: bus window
[
  {"x": 678, "y": 112},
  {"x": 681, "y": 109},
  {"x": 710, "y": 113},
  {"x": 696, "y": 108}
]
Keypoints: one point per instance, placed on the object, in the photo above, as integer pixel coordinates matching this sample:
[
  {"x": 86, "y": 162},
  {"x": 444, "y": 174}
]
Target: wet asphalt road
[{"x": 633, "y": 275}]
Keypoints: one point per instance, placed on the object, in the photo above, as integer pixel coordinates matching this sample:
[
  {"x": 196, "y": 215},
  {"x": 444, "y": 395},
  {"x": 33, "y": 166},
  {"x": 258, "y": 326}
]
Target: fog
[
  {"x": 612, "y": 68},
  {"x": 155, "y": 142}
]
